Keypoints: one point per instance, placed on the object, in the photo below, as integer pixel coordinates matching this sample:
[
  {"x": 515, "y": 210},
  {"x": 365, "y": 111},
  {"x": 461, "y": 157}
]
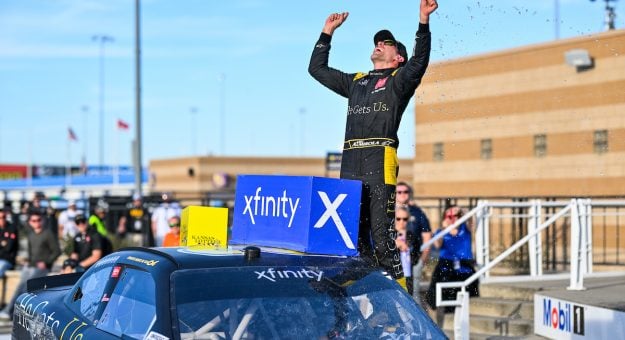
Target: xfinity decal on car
[
  {"x": 270, "y": 206},
  {"x": 272, "y": 274}
]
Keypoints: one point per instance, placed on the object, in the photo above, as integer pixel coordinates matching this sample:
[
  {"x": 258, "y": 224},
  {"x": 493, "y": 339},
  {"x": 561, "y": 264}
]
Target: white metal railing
[{"x": 580, "y": 211}]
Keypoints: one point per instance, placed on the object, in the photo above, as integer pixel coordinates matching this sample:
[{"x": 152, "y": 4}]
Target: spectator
[
  {"x": 8, "y": 243},
  {"x": 96, "y": 222},
  {"x": 43, "y": 250},
  {"x": 419, "y": 226},
  {"x": 160, "y": 219},
  {"x": 404, "y": 241},
  {"x": 67, "y": 224},
  {"x": 172, "y": 238},
  {"x": 87, "y": 248},
  {"x": 134, "y": 225},
  {"x": 455, "y": 262}
]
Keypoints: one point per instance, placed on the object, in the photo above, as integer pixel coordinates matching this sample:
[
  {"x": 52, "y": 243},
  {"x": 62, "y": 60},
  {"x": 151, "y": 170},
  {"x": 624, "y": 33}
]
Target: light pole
[
  {"x": 85, "y": 138},
  {"x": 137, "y": 145},
  {"x": 193, "y": 113},
  {"x": 610, "y": 15},
  {"x": 102, "y": 40}
]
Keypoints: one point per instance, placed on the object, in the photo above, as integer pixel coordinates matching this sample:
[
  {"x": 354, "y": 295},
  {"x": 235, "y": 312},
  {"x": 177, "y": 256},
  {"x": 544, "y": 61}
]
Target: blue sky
[{"x": 49, "y": 69}]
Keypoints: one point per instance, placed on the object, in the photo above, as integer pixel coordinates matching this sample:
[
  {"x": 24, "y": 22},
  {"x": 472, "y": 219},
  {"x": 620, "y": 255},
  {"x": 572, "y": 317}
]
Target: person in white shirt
[
  {"x": 67, "y": 225},
  {"x": 160, "y": 219}
]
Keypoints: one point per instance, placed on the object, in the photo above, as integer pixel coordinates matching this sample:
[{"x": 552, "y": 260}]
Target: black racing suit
[{"x": 377, "y": 100}]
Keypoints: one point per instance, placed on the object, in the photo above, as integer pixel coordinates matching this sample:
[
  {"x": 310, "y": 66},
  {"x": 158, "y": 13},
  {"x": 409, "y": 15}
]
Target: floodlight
[{"x": 578, "y": 58}]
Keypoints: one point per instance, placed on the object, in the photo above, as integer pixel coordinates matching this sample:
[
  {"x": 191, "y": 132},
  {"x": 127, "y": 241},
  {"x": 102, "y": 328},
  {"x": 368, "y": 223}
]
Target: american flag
[
  {"x": 71, "y": 135},
  {"x": 122, "y": 125}
]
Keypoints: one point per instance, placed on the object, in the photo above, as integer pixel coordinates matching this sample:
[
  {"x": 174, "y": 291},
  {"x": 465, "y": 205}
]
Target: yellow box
[{"x": 204, "y": 227}]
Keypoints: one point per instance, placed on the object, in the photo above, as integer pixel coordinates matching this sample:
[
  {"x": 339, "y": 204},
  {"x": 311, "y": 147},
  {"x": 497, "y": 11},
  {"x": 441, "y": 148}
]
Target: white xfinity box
[{"x": 303, "y": 213}]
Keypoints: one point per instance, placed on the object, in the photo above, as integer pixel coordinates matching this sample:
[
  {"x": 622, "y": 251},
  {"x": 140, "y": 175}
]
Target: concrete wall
[{"x": 173, "y": 174}]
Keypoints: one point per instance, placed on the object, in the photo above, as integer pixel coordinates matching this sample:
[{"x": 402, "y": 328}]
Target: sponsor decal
[
  {"x": 116, "y": 271},
  {"x": 270, "y": 206},
  {"x": 331, "y": 212},
  {"x": 273, "y": 275},
  {"x": 155, "y": 336},
  {"x": 363, "y": 82},
  {"x": 563, "y": 316},
  {"x": 363, "y": 110},
  {"x": 380, "y": 83},
  {"x": 320, "y": 45},
  {"x": 105, "y": 298},
  {"x": 150, "y": 263},
  {"x": 106, "y": 260}
]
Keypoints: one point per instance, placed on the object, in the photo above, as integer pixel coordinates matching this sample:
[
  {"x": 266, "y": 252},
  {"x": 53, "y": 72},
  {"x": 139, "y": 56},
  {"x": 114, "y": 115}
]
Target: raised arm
[
  {"x": 409, "y": 76},
  {"x": 318, "y": 68}
]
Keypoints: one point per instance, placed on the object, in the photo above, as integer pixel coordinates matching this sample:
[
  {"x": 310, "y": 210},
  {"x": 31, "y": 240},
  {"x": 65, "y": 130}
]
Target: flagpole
[
  {"x": 116, "y": 156},
  {"x": 69, "y": 162}
]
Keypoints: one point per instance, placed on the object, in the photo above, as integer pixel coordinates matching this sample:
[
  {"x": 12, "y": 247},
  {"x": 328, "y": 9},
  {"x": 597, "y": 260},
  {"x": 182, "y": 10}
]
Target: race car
[{"x": 229, "y": 293}]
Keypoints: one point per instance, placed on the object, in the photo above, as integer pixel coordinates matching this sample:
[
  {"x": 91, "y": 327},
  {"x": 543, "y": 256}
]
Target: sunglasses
[
  {"x": 398, "y": 219},
  {"x": 174, "y": 225},
  {"x": 389, "y": 42},
  {"x": 402, "y": 192}
]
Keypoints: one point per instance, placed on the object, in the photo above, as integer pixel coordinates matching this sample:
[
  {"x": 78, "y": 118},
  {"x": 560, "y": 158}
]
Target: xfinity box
[{"x": 303, "y": 213}]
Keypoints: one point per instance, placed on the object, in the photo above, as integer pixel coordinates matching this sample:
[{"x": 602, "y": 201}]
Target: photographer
[{"x": 455, "y": 261}]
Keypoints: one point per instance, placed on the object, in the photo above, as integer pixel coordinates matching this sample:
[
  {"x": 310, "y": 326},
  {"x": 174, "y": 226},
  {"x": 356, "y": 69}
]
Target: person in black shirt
[
  {"x": 8, "y": 243},
  {"x": 87, "y": 248},
  {"x": 134, "y": 225}
]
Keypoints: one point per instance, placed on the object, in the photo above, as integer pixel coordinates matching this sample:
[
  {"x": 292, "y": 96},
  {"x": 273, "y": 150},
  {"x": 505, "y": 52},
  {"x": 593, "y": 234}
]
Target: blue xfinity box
[{"x": 308, "y": 214}]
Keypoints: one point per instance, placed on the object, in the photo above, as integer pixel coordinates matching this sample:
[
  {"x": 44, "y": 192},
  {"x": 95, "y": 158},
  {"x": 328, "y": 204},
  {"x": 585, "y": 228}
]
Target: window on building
[
  {"x": 601, "y": 141},
  {"x": 438, "y": 152},
  {"x": 540, "y": 145},
  {"x": 486, "y": 148}
]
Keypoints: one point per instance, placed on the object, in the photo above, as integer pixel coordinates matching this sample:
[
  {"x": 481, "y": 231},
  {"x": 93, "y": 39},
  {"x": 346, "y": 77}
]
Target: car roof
[{"x": 189, "y": 258}]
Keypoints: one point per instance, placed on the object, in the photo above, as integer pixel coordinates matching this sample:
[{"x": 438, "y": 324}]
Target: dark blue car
[{"x": 178, "y": 293}]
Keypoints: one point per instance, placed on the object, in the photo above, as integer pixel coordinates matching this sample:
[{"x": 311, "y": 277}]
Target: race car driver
[{"x": 376, "y": 101}]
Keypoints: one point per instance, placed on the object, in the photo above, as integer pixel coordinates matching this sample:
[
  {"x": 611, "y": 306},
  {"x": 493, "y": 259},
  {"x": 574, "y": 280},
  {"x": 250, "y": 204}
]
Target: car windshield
[{"x": 295, "y": 302}]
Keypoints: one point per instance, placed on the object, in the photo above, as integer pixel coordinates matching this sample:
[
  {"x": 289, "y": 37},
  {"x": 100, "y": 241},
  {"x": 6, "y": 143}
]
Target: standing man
[
  {"x": 419, "y": 226},
  {"x": 43, "y": 249},
  {"x": 376, "y": 102},
  {"x": 135, "y": 223},
  {"x": 67, "y": 224},
  {"x": 8, "y": 243}
]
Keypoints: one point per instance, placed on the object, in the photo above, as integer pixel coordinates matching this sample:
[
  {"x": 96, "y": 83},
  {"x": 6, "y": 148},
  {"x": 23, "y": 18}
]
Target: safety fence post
[
  {"x": 481, "y": 234},
  {"x": 535, "y": 243},
  {"x": 461, "y": 316},
  {"x": 577, "y": 247},
  {"x": 589, "y": 258}
]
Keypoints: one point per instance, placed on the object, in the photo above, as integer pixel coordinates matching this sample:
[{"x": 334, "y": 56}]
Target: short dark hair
[
  {"x": 80, "y": 219},
  {"x": 404, "y": 184},
  {"x": 34, "y": 213}
]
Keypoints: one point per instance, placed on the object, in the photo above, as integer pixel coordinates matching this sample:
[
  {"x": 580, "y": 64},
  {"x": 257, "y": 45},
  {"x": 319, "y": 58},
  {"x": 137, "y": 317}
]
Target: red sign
[{"x": 13, "y": 171}]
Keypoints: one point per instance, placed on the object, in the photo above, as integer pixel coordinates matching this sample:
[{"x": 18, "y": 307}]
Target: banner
[{"x": 308, "y": 214}]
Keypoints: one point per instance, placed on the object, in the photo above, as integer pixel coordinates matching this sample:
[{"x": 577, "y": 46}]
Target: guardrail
[{"x": 580, "y": 212}]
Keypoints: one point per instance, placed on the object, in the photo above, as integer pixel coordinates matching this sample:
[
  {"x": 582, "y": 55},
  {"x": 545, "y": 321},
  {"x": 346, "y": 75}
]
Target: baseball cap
[{"x": 387, "y": 35}]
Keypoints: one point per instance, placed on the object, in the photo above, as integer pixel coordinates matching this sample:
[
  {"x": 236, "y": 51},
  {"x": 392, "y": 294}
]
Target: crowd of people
[
  {"x": 41, "y": 239},
  {"x": 455, "y": 260}
]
